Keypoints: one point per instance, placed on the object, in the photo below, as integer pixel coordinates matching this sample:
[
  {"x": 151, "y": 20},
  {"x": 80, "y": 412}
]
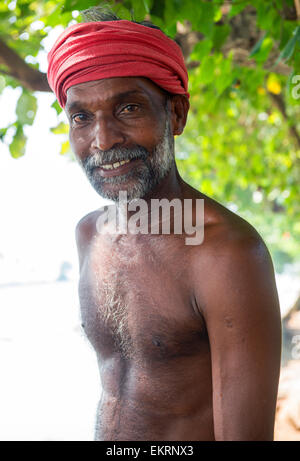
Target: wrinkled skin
[{"x": 187, "y": 337}]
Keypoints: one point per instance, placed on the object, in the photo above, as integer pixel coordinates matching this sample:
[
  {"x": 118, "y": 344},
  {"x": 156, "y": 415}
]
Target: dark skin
[{"x": 193, "y": 352}]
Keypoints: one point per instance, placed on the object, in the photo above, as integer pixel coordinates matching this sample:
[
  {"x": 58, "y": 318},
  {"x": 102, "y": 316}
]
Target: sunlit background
[{"x": 49, "y": 376}]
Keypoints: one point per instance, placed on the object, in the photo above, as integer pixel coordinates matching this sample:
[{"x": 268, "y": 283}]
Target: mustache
[{"x": 114, "y": 154}]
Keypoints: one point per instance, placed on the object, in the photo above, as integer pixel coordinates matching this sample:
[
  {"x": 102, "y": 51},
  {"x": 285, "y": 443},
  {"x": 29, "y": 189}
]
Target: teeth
[{"x": 110, "y": 166}]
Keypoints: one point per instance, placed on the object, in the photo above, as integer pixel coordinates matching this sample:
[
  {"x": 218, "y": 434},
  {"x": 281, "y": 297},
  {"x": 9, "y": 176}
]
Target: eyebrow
[{"x": 75, "y": 105}]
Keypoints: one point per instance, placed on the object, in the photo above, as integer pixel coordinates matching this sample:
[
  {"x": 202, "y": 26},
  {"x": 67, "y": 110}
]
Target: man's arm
[
  {"x": 86, "y": 229},
  {"x": 242, "y": 315},
  {"x": 84, "y": 232}
]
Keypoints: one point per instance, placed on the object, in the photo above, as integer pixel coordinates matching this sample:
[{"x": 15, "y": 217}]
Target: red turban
[{"x": 96, "y": 50}]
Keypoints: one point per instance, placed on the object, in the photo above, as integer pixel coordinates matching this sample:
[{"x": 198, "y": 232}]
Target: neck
[{"x": 171, "y": 187}]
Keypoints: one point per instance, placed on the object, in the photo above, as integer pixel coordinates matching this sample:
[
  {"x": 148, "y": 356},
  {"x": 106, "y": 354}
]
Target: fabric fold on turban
[{"x": 105, "y": 49}]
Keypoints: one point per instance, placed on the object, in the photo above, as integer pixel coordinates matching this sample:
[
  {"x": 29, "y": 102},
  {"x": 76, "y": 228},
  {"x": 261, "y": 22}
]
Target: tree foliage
[{"x": 242, "y": 142}]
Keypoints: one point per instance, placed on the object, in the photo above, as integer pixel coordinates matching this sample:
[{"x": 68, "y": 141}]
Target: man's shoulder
[
  {"x": 227, "y": 231},
  {"x": 233, "y": 271},
  {"x": 86, "y": 227},
  {"x": 224, "y": 229},
  {"x": 230, "y": 243},
  {"x": 233, "y": 234}
]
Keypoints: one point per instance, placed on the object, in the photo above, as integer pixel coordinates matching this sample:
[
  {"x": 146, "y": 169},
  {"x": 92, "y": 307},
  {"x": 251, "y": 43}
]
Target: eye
[
  {"x": 79, "y": 118},
  {"x": 129, "y": 109}
]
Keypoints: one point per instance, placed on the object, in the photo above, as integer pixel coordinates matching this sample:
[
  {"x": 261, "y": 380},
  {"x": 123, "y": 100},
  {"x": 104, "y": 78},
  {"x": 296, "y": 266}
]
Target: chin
[{"x": 113, "y": 193}]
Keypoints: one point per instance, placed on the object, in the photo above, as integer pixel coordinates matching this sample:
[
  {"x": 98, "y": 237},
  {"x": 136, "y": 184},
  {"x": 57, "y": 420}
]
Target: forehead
[{"x": 112, "y": 88}]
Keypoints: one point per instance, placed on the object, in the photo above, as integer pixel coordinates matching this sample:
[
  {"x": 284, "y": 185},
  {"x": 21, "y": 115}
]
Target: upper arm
[
  {"x": 242, "y": 315},
  {"x": 84, "y": 232},
  {"x": 80, "y": 240}
]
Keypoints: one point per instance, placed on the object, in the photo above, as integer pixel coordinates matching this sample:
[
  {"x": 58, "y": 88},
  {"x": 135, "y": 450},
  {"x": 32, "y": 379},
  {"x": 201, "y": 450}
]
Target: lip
[{"x": 122, "y": 169}]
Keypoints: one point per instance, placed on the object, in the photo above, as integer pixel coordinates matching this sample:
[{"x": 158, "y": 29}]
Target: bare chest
[{"x": 135, "y": 300}]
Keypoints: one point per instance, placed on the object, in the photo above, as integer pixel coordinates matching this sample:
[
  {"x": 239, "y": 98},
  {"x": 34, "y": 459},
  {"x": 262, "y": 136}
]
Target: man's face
[{"x": 121, "y": 135}]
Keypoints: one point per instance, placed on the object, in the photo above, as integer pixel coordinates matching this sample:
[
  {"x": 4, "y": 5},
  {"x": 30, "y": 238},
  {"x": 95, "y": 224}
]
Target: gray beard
[{"x": 141, "y": 180}]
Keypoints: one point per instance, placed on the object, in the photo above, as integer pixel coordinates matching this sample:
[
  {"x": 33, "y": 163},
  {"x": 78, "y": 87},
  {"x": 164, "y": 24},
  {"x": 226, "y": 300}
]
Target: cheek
[
  {"x": 78, "y": 143},
  {"x": 151, "y": 134}
]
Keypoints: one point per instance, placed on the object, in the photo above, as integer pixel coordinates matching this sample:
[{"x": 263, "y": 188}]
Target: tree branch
[
  {"x": 297, "y": 6},
  {"x": 16, "y": 67},
  {"x": 279, "y": 102},
  {"x": 243, "y": 36}
]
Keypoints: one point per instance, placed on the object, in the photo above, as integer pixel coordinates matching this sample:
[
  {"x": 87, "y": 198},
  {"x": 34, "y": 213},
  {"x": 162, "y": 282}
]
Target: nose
[{"x": 106, "y": 134}]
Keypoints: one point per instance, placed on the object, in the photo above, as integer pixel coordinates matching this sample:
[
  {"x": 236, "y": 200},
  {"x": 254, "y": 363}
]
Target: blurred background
[{"x": 241, "y": 146}]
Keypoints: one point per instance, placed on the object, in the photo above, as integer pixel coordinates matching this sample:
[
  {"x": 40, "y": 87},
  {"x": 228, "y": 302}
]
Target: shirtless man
[{"x": 187, "y": 338}]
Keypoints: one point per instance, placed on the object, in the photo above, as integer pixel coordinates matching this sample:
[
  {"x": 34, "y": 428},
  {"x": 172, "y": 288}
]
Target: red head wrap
[{"x": 95, "y": 50}]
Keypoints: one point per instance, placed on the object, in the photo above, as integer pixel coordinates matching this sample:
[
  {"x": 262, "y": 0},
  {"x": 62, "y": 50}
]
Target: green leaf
[
  {"x": 139, "y": 10},
  {"x": 266, "y": 16},
  {"x": 2, "y": 83},
  {"x": 262, "y": 53},
  {"x": 65, "y": 148},
  {"x": 201, "y": 49},
  {"x": 203, "y": 18},
  {"x": 170, "y": 30},
  {"x": 218, "y": 15},
  {"x": 236, "y": 8},
  {"x": 122, "y": 11},
  {"x": 224, "y": 76},
  {"x": 158, "y": 8},
  {"x": 72, "y": 5},
  {"x": 17, "y": 146},
  {"x": 147, "y": 5},
  {"x": 289, "y": 48},
  {"x": 257, "y": 46},
  {"x": 207, "y": 70},
  {"x": 26, "y": 108},
  {"x": 61, "y": 128},
  {"x": 3, "y": 133},
  {"x": 55, "y": 17},
  {"x": 220, "y": 35},
  {"x": 57, "y": 107}
]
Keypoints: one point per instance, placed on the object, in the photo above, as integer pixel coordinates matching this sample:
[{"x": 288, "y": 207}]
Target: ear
[{"x": 179, "y": 109}]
